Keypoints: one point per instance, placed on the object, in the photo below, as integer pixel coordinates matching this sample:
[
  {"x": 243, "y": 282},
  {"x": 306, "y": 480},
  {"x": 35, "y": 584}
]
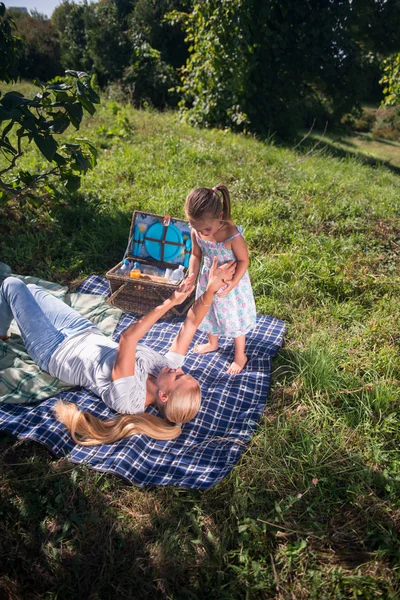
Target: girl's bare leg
[
  {"x": 240, "y": 357},
  {"x": 211, "y": 346}
]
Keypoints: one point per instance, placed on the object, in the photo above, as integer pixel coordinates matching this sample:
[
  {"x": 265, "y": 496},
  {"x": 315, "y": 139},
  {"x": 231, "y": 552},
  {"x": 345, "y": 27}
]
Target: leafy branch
[{"x": 39, "y": 120}]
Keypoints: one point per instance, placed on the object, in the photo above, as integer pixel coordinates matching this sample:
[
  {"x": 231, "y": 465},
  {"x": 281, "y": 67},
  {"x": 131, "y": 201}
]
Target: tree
[
  {"x": 40, "y": 56},
  {"x": 10, "y": 48},
  {"x": 40, "y": 120},
  {"x": 107, "y": 41},
  {"x": 272, "y": 65},
  {"x": 70, "y": 21},
  {"x": 149, "y": 19}
]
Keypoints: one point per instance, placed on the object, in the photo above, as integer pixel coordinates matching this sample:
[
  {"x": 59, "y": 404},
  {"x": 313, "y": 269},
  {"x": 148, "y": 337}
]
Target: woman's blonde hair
[
  {"x": 183, "y": 404},
  {"x": 211, "y": 202}
]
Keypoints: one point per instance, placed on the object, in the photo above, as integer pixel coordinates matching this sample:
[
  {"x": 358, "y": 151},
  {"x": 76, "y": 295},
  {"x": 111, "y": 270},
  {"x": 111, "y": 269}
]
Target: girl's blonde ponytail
[{"x": 226, "y": 201}]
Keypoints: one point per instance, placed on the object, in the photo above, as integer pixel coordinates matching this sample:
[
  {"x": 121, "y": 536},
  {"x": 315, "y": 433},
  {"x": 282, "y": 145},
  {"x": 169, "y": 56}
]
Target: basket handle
[{"x": 116, "y": 293}]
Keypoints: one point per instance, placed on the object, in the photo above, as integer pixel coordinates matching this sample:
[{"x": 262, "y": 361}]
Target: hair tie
[
  {"x": 215, "y": 189},
  {"x": 179, "y": 424}
]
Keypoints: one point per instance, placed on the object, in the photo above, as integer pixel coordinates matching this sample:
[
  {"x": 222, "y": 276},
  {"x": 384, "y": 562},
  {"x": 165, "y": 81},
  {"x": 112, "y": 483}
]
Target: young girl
[{"x": 233, "y": 311}]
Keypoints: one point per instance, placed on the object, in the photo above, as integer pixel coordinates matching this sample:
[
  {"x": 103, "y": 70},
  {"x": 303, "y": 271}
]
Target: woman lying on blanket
[{"x": 128, "y": 376}]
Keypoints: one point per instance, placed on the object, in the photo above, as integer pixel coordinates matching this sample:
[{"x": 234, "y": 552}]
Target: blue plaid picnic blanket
[{"x": 209, "y": 446}]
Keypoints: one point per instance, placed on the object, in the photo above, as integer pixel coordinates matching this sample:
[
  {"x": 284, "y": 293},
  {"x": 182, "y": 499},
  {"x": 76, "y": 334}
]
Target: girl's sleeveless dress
[{"x": 235, "y": 314}]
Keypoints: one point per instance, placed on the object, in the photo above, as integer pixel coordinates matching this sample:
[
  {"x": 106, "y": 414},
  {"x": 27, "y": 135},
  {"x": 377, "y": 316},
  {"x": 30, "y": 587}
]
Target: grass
[
  {"x": 312, "y": 509},
  {"x": 364, "y": 145}
]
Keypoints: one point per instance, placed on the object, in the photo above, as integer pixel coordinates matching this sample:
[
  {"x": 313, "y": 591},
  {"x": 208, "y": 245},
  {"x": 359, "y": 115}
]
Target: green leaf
[
  {"x": 58, "y": 87},
  {"x": 60, "y": 123},
  {"x": 70, "y": 147},
  {"x": 77, "y": 74},
  {"x": 92, "y": 149},
  {"x": 6, "y": 115},
  {"x": 82, "y": 164},
  {"x": 87, "y": 105},
  {"x": 83, "y": 88},
  {"x": 7, "y": 147},
  {"x": 75, "y": 112},
  {"x": 7, "y": 129},
  {"x": 63, "y": 97},
  {"x": 29, "y": 124},
  {"x": 60, "y": 160},
  {"x": 13, "y": 100},
  {"x": 47, "y": 145},
  {"x": 73, "y": 183}
]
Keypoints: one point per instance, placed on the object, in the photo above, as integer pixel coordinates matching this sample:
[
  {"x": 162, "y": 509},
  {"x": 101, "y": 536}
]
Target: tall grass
[{"x": 312, "y": 509}]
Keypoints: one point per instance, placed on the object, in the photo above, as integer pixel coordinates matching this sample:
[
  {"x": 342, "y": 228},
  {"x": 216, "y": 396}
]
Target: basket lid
[{"x": 159, "y": 238}]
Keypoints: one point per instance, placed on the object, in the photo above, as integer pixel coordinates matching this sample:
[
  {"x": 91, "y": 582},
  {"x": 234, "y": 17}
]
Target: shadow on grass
[
  {"x": 80, "y": 232},
  {"x": 311, "y": 145}
]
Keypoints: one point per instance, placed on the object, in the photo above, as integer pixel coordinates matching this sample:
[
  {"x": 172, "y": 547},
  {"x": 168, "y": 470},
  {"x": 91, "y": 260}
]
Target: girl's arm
[
  {"x": 124, "y": 365},
  {"x": 196, "y": 256},
  {"x": 217, "y": 277},
  {"x": 240, "y": 251}
]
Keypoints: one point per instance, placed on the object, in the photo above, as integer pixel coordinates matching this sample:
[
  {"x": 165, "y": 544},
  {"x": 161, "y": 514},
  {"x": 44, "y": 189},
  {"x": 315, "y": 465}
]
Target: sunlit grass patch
[{"x": 311, "y": 510}]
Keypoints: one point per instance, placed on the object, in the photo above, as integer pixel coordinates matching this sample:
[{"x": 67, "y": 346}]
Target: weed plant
[{"x": 312, "y": 511}]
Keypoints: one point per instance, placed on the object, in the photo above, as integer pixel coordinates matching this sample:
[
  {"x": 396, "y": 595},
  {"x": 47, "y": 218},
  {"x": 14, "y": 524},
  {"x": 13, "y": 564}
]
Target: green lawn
[
  {"x": 313, "y": 508},
  {"x": 365, "y": 146}
]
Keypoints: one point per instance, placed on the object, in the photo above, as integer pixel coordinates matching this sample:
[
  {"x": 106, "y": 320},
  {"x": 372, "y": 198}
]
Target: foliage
[
  {"x": 360, "y": 119},
  {"x": 147, "y": 77},
  {"x": 391, "y": 80},
  {"x": 271, "y": 65},
  {"x": 150, "y": 19},
  {"x": 388, "y": 126},
  {"x": 106, "y": 42},
  {"x": 69, "y": 20},
  {"x": 126, "y": 43},
  {"x": 10, "y": 48},
  {"x": 39, "y": 120},
  {"x": 40, "y": 56}
]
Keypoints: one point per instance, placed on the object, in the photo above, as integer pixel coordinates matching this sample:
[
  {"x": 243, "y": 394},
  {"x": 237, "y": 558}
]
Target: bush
[
  {"x": 360, "y": 120},
  {"x": 148, "y": 78},
  {"x": 389, "y": 126}
]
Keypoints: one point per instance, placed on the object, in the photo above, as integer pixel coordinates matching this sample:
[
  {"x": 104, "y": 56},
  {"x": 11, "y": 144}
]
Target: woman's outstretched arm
[
  {"x": 124, "y": 365},
  {"x": 218, "y": 276}
]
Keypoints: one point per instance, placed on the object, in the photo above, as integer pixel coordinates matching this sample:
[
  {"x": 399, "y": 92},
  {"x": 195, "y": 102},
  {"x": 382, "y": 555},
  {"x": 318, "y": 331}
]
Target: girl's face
[{"x": 207, "y": 226}]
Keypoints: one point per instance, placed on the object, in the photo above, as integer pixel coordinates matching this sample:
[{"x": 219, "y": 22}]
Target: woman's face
[{"x": 169, "y": 378}]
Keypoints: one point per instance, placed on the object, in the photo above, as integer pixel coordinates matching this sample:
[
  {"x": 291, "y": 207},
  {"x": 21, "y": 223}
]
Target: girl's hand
[
  {"x": 220, "y": 275},
  {"x": 183, "y": 290}
]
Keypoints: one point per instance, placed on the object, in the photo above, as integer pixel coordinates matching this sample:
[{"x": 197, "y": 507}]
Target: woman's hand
[
  {"x": 220, "y": 275},
  {"x": 202, "y": 305},
  {"x": 228, "y": 287},
  {"x": 184, "y": 290}
]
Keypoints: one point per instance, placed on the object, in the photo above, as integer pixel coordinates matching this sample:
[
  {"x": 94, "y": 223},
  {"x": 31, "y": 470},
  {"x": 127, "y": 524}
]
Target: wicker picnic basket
[{"x": 167, "y": 248}]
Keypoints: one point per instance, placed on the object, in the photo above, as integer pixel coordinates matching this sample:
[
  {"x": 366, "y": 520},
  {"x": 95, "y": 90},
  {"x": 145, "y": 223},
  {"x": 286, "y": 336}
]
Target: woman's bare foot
[
  {"x": 238, "y": 365},
  {"x": 204, "y": 348}
]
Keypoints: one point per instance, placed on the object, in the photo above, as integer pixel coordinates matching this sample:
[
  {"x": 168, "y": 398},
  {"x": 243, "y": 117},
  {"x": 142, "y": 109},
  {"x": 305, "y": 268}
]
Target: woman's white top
[{"x": 87, "y": 359}]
